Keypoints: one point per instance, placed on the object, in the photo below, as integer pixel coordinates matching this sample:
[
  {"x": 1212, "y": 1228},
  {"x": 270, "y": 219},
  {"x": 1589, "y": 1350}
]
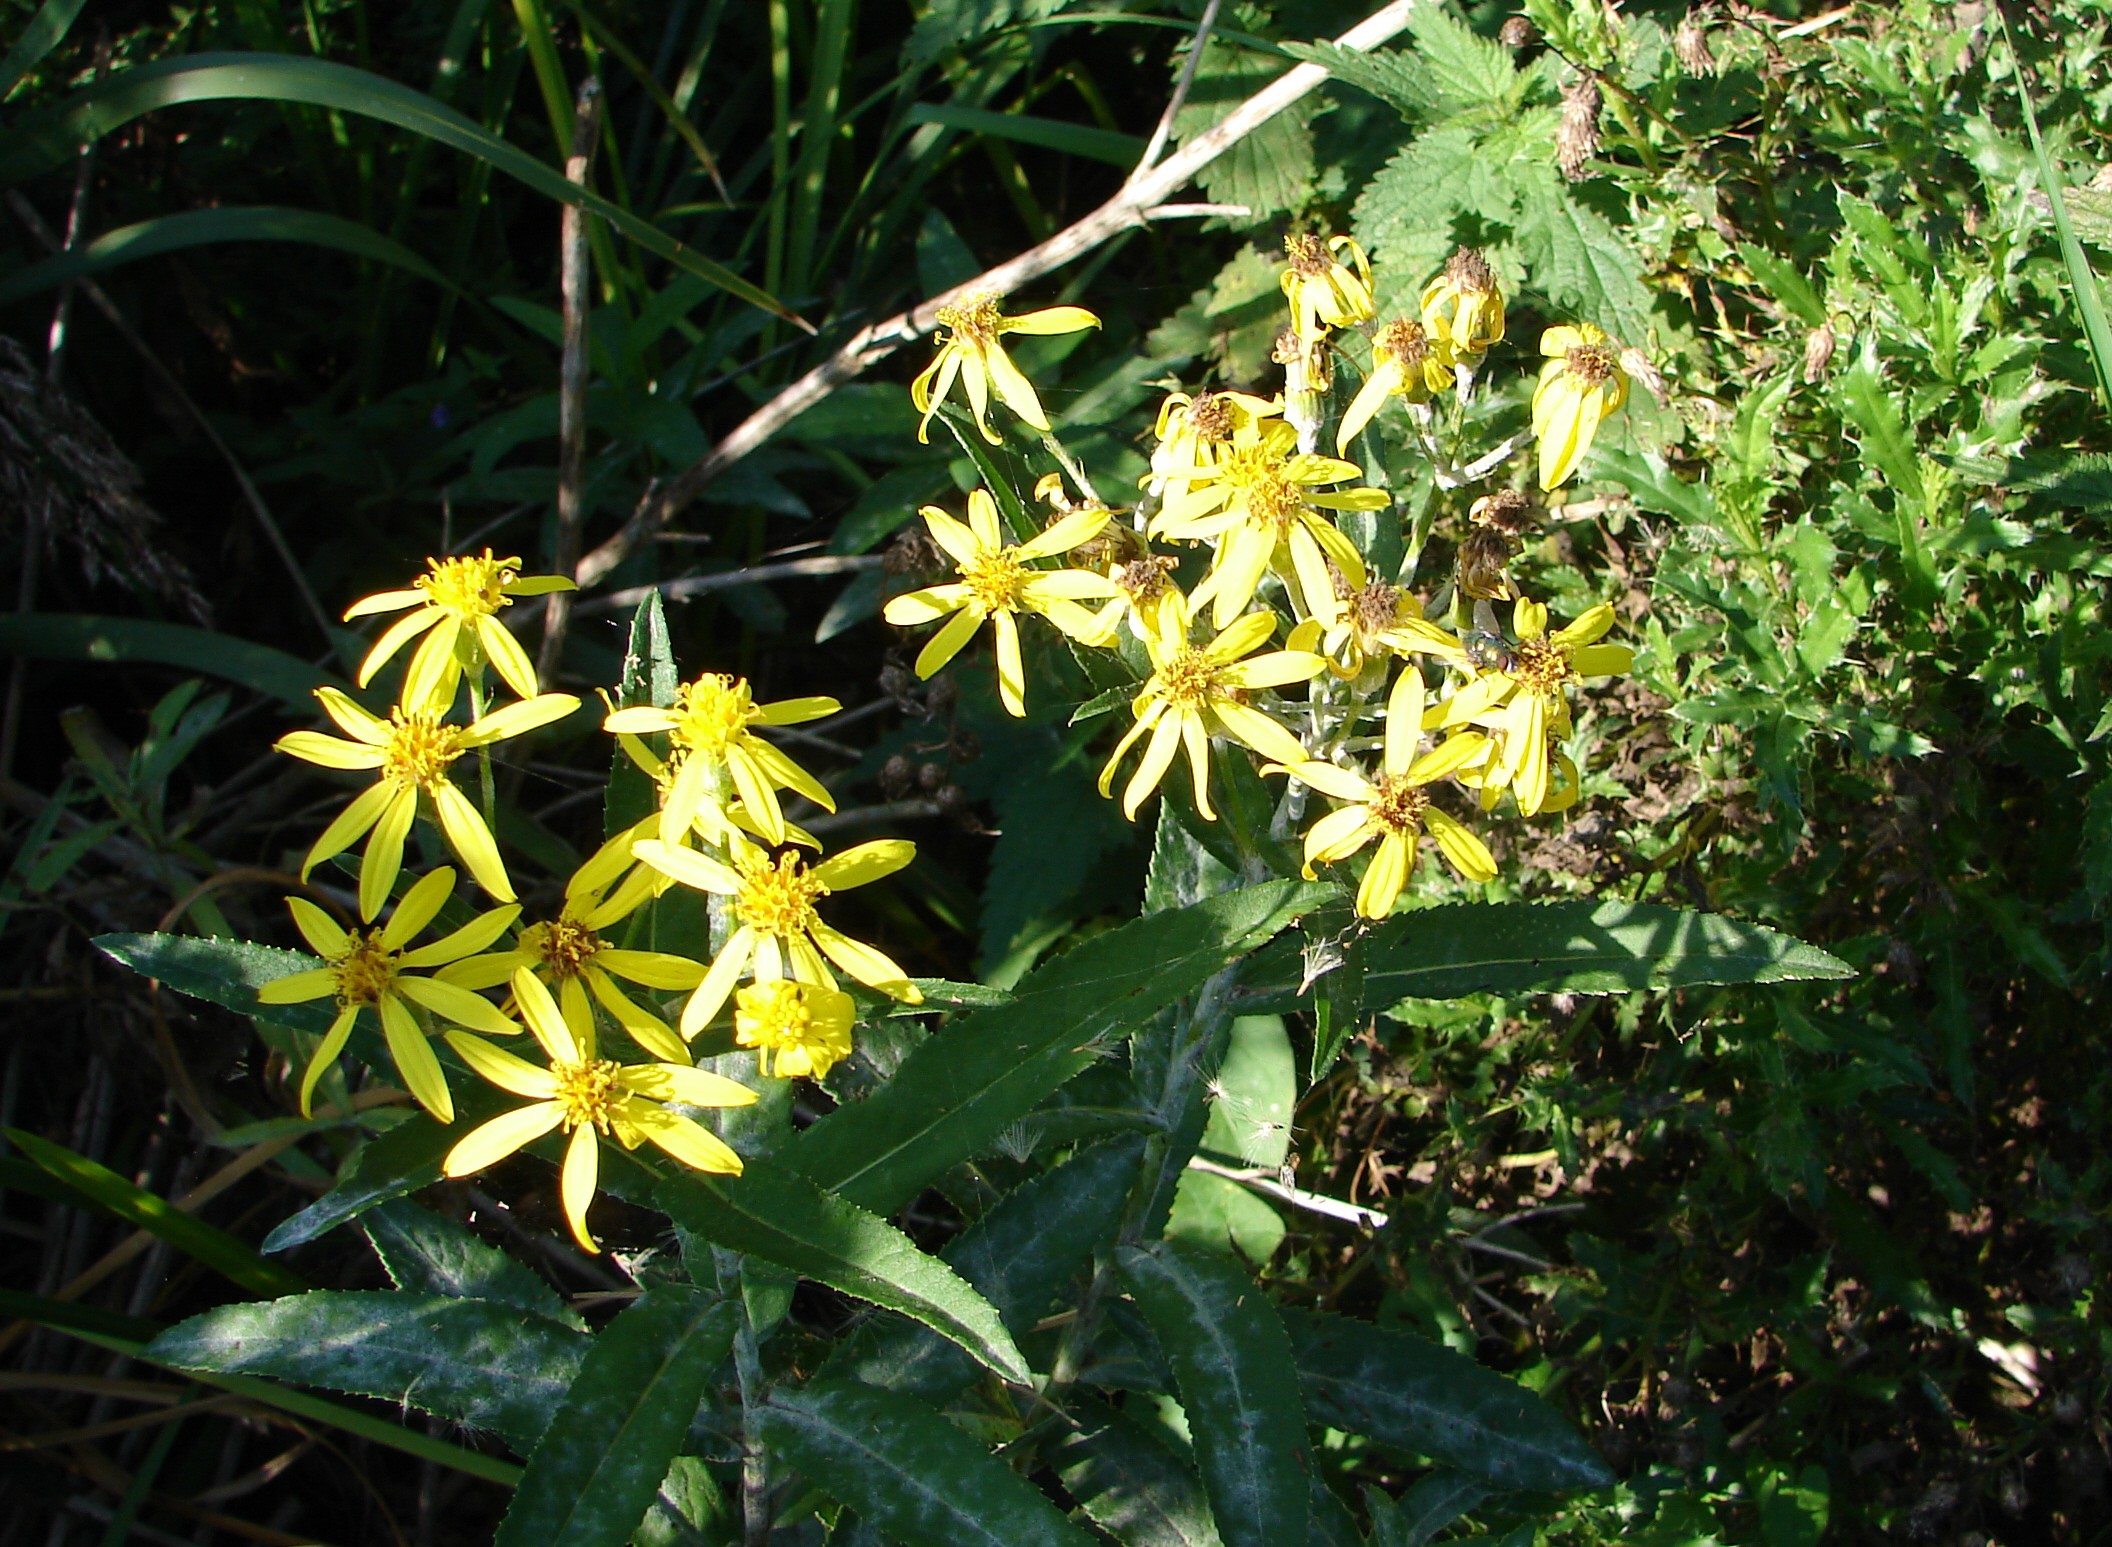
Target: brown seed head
[
  {"x": 1308, "y": 255},
  {"x": 1468, "y": 273},
  {"x": 1818, "y": 351},
  {"x": 1577, "y": 139},
  {"x": 1211, "y": 417},
  {"x": 1507, "y": 511},
  {"x": 1517, "y": 32},
  {"x": 1690, "y": 43},
  {"x": 1404, "y": 340}
]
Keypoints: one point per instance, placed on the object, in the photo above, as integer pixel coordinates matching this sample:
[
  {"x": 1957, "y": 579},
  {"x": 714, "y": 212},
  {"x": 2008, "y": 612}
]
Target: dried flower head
[{"x": 1577, "y": 138}]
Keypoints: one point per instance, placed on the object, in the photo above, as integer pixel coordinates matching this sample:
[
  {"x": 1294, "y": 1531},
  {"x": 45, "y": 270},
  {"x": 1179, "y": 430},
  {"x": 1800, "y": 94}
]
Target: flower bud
[
  {"x": 1818, "y": 351},
  {"x": 1517, "y": 32}
]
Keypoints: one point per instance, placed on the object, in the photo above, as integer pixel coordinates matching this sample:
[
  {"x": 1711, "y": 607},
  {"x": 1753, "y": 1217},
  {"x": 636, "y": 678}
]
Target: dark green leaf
[
  {"x": 962, "y": 1087},
  {"x": 43, "y": 34},
  {"x": 784, "y": 1218},
  {"x": 227, "y": 973},
  {"x": 1232, "y": 1366},
  {"x": 1426, "y": 1509},
  {"x": 427, "y": 1254},
  {"x": 1402, "y": 1390},
  {"x": 594, "y": 1474},
  {"x": 1579, "y": 261},
  {"x": 66, "y": 636},
  {"x": 491, "y": 1366},
  {"x": 1122, "y": 150},
  {"x": 1130, "y": 1482},
  {"x": 909, "y": 1471},
  {"x": 402, "y": 1160}
]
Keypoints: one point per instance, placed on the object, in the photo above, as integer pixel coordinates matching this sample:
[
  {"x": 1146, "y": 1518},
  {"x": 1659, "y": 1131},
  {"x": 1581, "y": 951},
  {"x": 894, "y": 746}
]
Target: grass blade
[{"x": 46, "y": 30}]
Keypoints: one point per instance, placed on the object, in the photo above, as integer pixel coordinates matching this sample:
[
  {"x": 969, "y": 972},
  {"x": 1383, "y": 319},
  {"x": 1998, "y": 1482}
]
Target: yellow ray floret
[
  {"x": 1191, "y": 429},
  {"x": 713, "y": 743},
  {"x": 412, "y": 753},
  {"x": 796, "y": 1028},
  {"x": 996, "y": 583},
  {"x": 1580, "y": 384},
  {"x": 591, "y": 1098},
  {"x": 1324, "y": 291},
  {"x": 1195, "y": 692},
  {"x": 458, "y": 601},
  {"x": 1463, "y": 307},
  {"x": 1406, "y": 363},
  {"x": 970, "y": 351},
  {"x": 1394, "y": 807},
  {"x": 373, "y": 969},
  {"x": 777, "y": 932}
]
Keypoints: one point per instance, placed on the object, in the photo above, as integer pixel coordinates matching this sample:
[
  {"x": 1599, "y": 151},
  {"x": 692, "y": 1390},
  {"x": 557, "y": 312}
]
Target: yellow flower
[
  {"x": 1405, "y": 363},
  {"x": 458, "y": 602},
  {"x": 1394, "y": 808},
  {"x": 711, "y": 727},
  {"x": 1463, "y": 307},
  {"x": 974, "y": 354},
  {"x": 586, "y": 1096},
  {"x": 412, "y": 751},
  {"x": 1194, "y": 693},
  {"x": 1482, "y": 772},
  {"x": 1580, "y": 384},
  {"x": 996, "y": 584},
  {"x": 1258, "y": 500},
  {"x": 1523, "y": 696},
  {"x": 570, "y": 953},
  {"x": 1323, "y": 291},
  {"x": 372, "y": 968},
  {"x": 1190, "y": 429},
  {"x": 799, "y": 1028},
  {"x": 1362, "y": 618},
  {"x": 777, "y": 927}
]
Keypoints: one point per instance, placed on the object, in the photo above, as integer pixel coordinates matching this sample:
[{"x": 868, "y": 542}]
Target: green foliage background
[{"x": 1807, "y": 1259}]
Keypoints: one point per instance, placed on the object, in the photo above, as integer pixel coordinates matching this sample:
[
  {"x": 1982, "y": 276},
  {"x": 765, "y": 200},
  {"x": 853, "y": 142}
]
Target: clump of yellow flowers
[{"x": 1257, "y": 611}]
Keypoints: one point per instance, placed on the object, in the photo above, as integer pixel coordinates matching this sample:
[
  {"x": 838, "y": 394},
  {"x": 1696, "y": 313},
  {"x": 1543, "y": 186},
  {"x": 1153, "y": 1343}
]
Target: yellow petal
[
  {"x": 417, "y": 908},
  {"x": 518, "y": 719},
  {"x": 326, "y": 1052},
  {"x": 1197, "y": 742},
  {"x": 1013, "y": 389},
  {"x": 691, "y": 1143},
  {"x": 478, "y": 934},
  {"x": 502, "y": 1068},
  {"x": 692, "y": 1087},
  {"x": 329, "y": 751},
  {"x": 414, "y": 1059},
  {"x": 351, "y": 719},
  {"x": 399, "y": 633},
  {"x": 1466, "y": 853},
  {"x": 454, "y": 1003},
  {"x": 688, "y": 867},
  {"x": 712, "y": 992},
  {"x": 506, "y": 654},
  {"x": 321, "y": 931},
  {"x": 386, "y": 601},
  {"x": 383, "y": 859},
  {"x": 1384, "y": 878},
  {"x": 1050, "y": 319},
  {"x": 471, "y": 840},
  {"x": 488, "y": 1144},
  {"x": 865, "y": 862},
  {"x": 544, "y": 1018},
  {"x": 349, "y": 824},
  {"x": 875, "y": 969},
  {"x": 1011, "y": 671},
  {"x": 1158, "y": 756},
  {"x": 429, "y": 681},
  {"x": 576, "y": 1183},
  {"x": 1404, "y": 720}
]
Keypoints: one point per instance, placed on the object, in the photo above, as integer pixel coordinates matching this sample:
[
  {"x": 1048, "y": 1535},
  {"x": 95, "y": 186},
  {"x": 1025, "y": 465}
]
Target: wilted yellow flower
[
  {"x": 777, "y": 927},
  {"x": 1362, "y": 618},
  {"x": 1324, "y": 292},
  {"x": 1191, "y": 429},
  {"x": 1463, "y": 307},
  {"x": 711, "y": 728},
  {"x": 458, "y": 602},
  {"x": 571, "y": 955},
  {"x": 587, "y": 1095},
  {"x": 412, "y": 751},
  {"x": 1524, "y": 697},
  {"x": 1260, "y": 502},
  {"x": 973, "y": 353},
  {"x": 796, "y": 1028},
  {"x": 1407, "y": 363},
  {"x": 372, "y": 968},
  {"x": 997, "y": 584},
  {"x": 1580, "y": 384},
  {"x": 1394, "y": 808},
  {"x": 1197, "y": 692}
]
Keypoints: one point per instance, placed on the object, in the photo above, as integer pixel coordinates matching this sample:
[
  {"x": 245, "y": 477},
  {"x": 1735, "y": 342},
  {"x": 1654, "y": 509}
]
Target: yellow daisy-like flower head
[
  {"x": 1324, "y": 291},
  {"x": 970, "y": 349},
  {"x": 1195, "y": 692},
  {"x": 1363, "y": 621},
  {"x": 1407, "y": 363},
  {"x": 1395, "y": 808},
  {"x": 777, "y": 926},
  {"x": 572, "y": 954},
  {"x": 1463, "y": 307},
  {"x": 591, "y": 1098},
  {"x": 1580, "y": 384},
  {"x": 413, "y": 752},
  {"x": 796, "y": 1028},
  {"x": 375, "y": 969},
  {"x": 458, "y": 601},
  {"x": 1260, "y": 501},
  {"x": 712, "y": 738},
  {"x": 1191, "y": 429},
  {"x": 1523, "y": 696},
  {"x": 996, "y": 582}
]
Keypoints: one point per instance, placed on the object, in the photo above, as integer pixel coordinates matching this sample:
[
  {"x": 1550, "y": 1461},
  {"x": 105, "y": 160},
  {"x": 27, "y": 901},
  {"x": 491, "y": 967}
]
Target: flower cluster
[{"x": 1264, "y": 623}]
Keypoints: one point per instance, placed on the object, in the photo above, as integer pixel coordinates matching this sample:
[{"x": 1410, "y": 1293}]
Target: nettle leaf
[
  {"x": 1409, "y": 211},
  {"x": 1578, "y": 947},
  {"x": 785, "y": 1218},
  {"x": 227, "y": 973},
  {"x": 1464, "y": 68},
  {"x": 1130, "y": 1482},
  {"x": 1395, "y": 76},
  {"x": 1019, "y": 1255},
  {"x": 907, "y": 1470},
  {"x": 1406, "y": 1391},
  {"x": 967, "y": 1083},
  {"x": 1270, "y": 170},
  {"x": 427, "y": 1254},
  {"x": 1577, "y": 260},
  {"x": 1232, "y": 1366},
  {"x": 490, "y": 1366},
  {"x": 599, "y": 1465}
]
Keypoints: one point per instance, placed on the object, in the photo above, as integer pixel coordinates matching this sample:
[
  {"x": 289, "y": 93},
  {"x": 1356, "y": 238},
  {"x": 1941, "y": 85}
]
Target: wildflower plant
[{"x": 692, "y": 1024}]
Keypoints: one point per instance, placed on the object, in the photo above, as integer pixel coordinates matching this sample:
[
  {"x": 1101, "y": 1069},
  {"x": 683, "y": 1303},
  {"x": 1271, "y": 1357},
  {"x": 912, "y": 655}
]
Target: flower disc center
[
  {"x": 588, "y": 1092},
  {"x": 779, "y": 900},
  {"x": 420, "y": 749},
  {"x": 365, "y": 971},
  {"x": 469, "y": 587},
  {"x": 712, "y": 714},
  {"x": 564, "y": 944},
  {"x": 1189, "y": 680},
  {"x": 973, "y": 319},
  {"x": 995, "y": 578},
  {"x": 1399, "y": 805}
]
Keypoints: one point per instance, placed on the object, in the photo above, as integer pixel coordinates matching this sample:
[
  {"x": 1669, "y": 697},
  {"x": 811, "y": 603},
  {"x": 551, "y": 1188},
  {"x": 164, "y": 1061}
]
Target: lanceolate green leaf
[
  {"x": 594, "y": 1474},
  {"x": 47, "y": 139},
  {"x": 1019, "y": 1255},
  {"x": 1426, "y": 1509},
  {"x": 1405, "y": 1391},
  {"x": 961, "y": 1088},
  {"x": 1122, "y": 150},
  {"x": 66, "y": 636},
  {"x": 784, "y": 1218},
  {"x": 1232, "y": 1366},
  {"x": 402, "y": 1160},
  {"x": 225, "y": 1254},
  {"x": 227, "y": 973},
  {"x": 1562, "y": 947},
  {"x": 492, "y": 1366},
  {"x": 427, "y": 1254},
  {"x": 1130, "y": 1482},
  {"x": 43, "y": 34},
  {"x": 909, "y": 1471},
  {"x": 206, "y": 227}
]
